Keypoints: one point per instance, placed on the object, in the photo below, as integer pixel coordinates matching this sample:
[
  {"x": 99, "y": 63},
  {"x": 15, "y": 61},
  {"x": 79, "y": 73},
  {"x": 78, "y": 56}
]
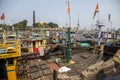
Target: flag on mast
[
  {"x": 96, "y": 10},
  {"x": 68, "y": 8},
  {"x": 2, "y": 16}
]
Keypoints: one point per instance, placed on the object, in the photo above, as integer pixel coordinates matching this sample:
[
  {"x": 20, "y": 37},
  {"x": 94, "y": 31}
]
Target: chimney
[{"x": 33, "y": 18}]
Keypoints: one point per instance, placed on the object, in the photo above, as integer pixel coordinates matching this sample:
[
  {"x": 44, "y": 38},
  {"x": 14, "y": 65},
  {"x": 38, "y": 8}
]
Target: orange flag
[
  {"x": 68, "y": 8},
  {"x": 96, "y": 10},
  {"x": 3, "y": 16}
]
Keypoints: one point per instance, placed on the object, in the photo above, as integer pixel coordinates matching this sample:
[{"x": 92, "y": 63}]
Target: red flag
[
  {"x": 96, "y": 10},
  {"x": 3, "y": 16}
]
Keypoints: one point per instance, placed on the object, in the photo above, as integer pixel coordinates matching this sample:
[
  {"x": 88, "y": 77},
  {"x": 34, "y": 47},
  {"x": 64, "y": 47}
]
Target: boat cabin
[{"x": 32, "y": 45}]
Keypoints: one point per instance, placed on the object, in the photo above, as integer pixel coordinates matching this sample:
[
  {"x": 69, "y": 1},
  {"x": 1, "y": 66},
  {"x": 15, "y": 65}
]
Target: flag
[
  {"x": 96, "y": 10},
  {"x": 109, "y": 17},
  {"x": 68, "y": 8},
  {"x": 2, "y": 16}
]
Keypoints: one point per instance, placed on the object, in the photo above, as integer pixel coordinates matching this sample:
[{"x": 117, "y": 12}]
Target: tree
[
  {"x": 52, "y": 25},
  {"x": 20, "y": 25},
  {"x": 46, "y": 25},
  {"x": 24, "y": 23}
]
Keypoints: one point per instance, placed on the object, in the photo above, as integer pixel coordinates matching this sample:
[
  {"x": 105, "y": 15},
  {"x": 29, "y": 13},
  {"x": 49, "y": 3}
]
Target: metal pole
[
  {"x": 43, "y": 33},
  {"x": 69, "y": 46},
  {"x": 54, "y": 74},
  {"x": 69, "y": 20},
  {"x": 99, "y": 23},
  {"x": 69, "y": 40},
  {"x": 99, "y": 35}
]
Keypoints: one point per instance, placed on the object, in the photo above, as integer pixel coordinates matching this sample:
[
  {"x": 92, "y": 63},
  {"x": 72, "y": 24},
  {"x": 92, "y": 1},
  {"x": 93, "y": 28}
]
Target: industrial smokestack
[{"x": 33, "y": 18}]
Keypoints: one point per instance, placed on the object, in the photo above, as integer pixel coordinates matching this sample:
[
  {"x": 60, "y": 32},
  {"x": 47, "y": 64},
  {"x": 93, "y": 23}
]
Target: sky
[{"x": 56, "y": 11}]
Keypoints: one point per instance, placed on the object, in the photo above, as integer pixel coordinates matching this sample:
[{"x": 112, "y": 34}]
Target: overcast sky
[{"x": 56, "y": 11}]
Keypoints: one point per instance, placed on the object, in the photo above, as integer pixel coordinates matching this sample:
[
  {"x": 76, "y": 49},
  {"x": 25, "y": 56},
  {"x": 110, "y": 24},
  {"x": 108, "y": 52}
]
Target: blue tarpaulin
[{"x": 1, "y": 37}]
